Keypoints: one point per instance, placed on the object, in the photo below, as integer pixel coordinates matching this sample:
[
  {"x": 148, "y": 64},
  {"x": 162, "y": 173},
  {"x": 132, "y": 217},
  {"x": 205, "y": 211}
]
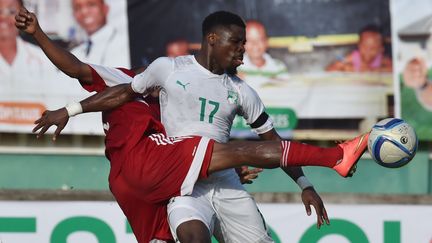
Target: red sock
[{"x": 300, "y": 154}]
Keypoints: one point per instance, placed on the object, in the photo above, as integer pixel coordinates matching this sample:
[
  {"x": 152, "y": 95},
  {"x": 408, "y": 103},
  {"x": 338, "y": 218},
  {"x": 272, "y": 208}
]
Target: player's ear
[{"x": 211, "y": 38}]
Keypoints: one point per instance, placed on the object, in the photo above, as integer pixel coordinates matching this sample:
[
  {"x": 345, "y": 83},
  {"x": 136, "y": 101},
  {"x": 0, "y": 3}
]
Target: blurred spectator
[
  {"x": 417, "y": 77},
  {"x": 369, "y": 55},
  {"x": 425, "y": 96},
  {"x": 23, "y": 66},
  {"x": 178, "y": 47},
  {"x": 104, "y": 45},
  {"x": 415, "y": 74},
  {"x": 258, "y": 66}
]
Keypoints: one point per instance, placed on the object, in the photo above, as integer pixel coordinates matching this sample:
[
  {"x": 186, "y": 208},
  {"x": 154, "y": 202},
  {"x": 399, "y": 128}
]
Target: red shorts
[
  {"x": 148, "y": 221},
  {"x": 156, "y": 169}
]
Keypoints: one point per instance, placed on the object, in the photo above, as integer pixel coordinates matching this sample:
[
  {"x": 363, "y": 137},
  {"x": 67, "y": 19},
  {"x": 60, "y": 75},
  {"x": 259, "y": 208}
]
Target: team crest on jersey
[{"x": 232, "y": 97}]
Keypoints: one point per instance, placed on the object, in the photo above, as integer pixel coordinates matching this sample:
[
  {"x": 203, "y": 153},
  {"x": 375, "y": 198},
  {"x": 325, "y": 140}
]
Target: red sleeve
[
  {"x": 154, "y": 106},
  {"x": 127, "y": 71},
  {"x": 98, "y": 83}
]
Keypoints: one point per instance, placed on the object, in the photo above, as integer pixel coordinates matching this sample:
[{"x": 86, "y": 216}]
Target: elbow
[
  {"x": 81, "y": 72},
  {"x": 75, "y": 74}
]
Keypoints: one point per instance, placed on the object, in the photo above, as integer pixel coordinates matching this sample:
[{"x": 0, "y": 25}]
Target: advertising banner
[
  {"x": 306, "y": 59},
  {"x": 103, "y": 222},
  {"x": 303, "y": 57},
  {"x": 411, "y": 32},
  {"x": 30, "y": 83}
]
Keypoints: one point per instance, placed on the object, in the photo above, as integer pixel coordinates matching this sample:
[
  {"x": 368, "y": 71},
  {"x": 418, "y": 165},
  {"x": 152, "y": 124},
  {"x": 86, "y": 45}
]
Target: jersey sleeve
[
  {"x": 154, "y": 76},
  {"x": 103, "y": 77},
  {"x": 253, "y": 110}
]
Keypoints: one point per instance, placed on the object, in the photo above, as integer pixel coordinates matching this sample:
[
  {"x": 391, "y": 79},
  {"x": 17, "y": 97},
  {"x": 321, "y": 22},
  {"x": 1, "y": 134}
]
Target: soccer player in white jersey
[
  {"x": 191, "y": 217},
  {"x": 201, "y": 95}
]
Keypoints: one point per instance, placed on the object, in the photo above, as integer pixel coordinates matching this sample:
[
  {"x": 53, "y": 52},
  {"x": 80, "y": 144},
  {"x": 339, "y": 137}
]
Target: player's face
[
  {"x": 90, "y": 14},
  {"x": 229, "y": 48},
  {"x": 256, "y": 44},
  {"x": 8, "y": 10},
  {"x": 370, "y": 46}
]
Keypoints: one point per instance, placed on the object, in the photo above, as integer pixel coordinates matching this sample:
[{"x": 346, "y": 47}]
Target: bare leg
[
  {"x": 263, "y": 154},
  {"x": 193, "y": 231}
]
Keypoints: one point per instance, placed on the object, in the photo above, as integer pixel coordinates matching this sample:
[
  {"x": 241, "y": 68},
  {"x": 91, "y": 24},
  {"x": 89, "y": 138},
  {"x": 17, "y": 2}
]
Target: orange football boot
[{"x": 352, "y": 151}]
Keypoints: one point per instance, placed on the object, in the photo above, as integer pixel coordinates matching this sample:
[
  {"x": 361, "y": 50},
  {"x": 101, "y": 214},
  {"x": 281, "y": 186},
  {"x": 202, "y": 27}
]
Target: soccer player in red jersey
[{"x": 148, "y": 168}]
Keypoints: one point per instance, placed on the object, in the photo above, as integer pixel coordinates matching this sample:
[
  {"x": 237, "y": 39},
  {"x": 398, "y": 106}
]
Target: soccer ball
[{"x": 392, "y": 143}]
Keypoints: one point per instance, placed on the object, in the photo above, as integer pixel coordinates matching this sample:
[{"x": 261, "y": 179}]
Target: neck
[
  {"x": 8, "y": 50},
  {"x": 203, "y": 57}
]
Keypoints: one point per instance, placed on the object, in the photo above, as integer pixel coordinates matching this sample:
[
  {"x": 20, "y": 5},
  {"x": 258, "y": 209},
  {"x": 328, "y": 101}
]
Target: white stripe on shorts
[
  {"x": 160, "y": 139},
  {"x": 195, "y": 168}
]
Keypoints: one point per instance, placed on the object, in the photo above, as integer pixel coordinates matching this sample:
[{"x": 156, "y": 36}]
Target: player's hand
[
  {"x": 248, "y": 175},
  {"x": 311, "y": 197},
  {"x": 26, "y": 21},
  {"x": 58, "y": 117}
]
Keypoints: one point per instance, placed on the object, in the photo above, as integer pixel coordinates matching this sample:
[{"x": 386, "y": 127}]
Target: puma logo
[{"x": 181, "y": 84}]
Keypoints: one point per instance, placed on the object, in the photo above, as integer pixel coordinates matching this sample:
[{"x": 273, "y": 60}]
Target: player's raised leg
[{"x": 272, "y": 154}]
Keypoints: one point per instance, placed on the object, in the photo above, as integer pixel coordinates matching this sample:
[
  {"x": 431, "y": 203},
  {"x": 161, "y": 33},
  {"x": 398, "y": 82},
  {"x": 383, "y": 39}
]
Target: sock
[{"x": 301, "y": 154}]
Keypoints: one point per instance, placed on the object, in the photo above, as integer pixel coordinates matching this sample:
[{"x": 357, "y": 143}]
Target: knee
[
  {"x": 193, "y": 238},
  {"x": 193, "y": 231}
]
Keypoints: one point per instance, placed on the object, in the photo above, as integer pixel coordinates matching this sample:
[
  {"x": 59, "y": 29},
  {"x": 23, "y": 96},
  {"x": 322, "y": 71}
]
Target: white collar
[{"x": 205, "y": 70}]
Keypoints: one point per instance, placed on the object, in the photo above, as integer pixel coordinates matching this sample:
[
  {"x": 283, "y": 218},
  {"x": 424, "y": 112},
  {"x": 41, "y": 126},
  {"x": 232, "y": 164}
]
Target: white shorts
[
  {"x": 186, "y": 208},
  {"x": 221, "y": 203}
]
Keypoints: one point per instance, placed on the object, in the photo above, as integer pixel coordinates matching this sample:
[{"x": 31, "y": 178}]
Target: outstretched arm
[
  {"x": 64, "y": 60},
  {"x": 108, "y": 99}
]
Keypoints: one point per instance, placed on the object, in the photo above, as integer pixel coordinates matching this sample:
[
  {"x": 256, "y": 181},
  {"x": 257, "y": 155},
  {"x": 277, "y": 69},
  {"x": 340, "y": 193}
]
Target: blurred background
[{"x": 327, "y": 70}]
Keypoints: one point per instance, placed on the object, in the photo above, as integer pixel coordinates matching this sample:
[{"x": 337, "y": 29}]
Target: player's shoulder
[
  {"x": 184, "y": 61},
  {"x": 163, "y": 64},
  {"x": 110, "y": 71},
  {"x": 163, "y": 61}
]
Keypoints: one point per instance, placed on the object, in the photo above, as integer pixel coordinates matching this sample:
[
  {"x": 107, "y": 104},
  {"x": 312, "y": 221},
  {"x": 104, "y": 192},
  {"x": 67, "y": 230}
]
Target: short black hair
[
  {"x": 371, "y": 28},
  {"x": 221, "y": 18}
]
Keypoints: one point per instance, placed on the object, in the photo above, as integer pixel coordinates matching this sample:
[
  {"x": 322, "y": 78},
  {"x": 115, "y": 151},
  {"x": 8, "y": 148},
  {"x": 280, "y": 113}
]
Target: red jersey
[{"x": 147, "y": 168}]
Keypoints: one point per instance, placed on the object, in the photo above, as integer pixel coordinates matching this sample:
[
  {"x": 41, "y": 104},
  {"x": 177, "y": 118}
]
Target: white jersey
[{"x": 195, "y": 101}]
